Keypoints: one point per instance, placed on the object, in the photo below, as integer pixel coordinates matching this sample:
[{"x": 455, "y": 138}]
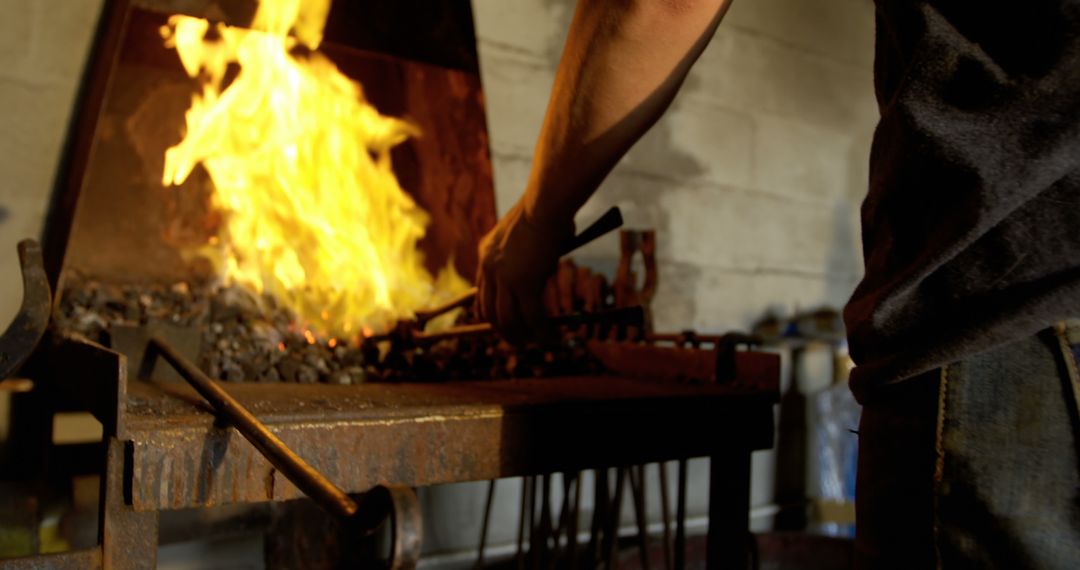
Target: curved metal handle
[
  {"x": 407, "y": 523},
  {"x": 398, "y": 505},
  {"x": 26, "y": 330}
]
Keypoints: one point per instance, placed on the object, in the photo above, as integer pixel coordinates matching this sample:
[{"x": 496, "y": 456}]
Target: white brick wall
[
  {"x": 754, "y": 176},
  {"x": 43, "y": 45}
]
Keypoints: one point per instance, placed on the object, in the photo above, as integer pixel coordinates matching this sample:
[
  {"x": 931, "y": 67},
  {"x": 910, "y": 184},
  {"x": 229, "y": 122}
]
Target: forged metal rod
[
  {"x": 665, "y": 509},
  {"x": 563, "y": 526},
  {"x": 525, "y": 523},
  {"x": 572, "y": 529},
  {"x": 627, "y": 316},
  {"x": 610, "y": 221},
  {"x": 637, "y": 489},
  {"x": 680, "y": 518},
  {"x": 295, "y": 469},
  {"x": 611, "y": 550},
  {"x": 484, "y": 527},
  {"x": 601, "y": 502}
]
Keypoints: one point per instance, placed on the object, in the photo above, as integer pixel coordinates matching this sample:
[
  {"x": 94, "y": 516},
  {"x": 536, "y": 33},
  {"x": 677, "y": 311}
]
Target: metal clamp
[{"x": 25, "y": 332}]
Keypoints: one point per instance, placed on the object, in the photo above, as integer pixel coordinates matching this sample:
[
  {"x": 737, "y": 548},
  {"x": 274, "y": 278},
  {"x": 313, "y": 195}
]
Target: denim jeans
[{"x": 975, "y": 465}]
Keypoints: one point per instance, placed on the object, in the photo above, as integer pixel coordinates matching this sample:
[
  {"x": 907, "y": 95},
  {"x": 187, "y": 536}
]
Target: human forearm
[{"x": 623, "y": 63}]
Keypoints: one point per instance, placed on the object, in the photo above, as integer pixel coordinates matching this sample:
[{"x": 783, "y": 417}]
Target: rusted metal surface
[
  {"x": 69, "y": 374},
  {"x": 81, "y": 136},
  {"x": 89, "y": 559},
  {"x": 415, "y": 435},
  {"x": 285, "y": 460},
  {"x": 129, "y": 539},
  {"x": 406, "y": 525},
  {"x": 738, "y": 372},
  {"x": 132, "y": 341},
  {"x": 24, "y": 333},
  {"x": 81, "y": 375}
]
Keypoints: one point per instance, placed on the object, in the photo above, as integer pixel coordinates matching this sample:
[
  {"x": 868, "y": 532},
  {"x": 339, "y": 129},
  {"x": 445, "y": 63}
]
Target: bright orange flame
[{"x": 300, "y": 163}]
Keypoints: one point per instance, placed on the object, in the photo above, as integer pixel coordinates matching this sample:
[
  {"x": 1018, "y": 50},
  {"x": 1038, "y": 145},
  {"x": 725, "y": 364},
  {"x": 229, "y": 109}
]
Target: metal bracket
[{"x": 726, "y": 348}]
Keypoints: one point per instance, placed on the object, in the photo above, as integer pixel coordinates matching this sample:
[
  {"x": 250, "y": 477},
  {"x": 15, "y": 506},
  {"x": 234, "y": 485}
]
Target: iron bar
[
  {"x": 637, "y": 488},
  {"x": 665, "y": 510},
  {"x": 295, "y": 469},
  {"x": 484, "y": 526},
  {"x": 680, "y": 519},
  {"x": 572, "y": 526}
]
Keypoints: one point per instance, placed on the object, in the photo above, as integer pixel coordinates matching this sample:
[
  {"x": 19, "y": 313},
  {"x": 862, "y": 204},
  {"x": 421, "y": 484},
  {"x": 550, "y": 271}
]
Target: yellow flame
[{"x": 300, "y": 163}]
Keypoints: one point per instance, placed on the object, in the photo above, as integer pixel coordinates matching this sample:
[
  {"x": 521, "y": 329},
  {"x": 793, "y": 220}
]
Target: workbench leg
[
  {"x": 729, "y": 511},
  {"x": 129, "y": 539}
]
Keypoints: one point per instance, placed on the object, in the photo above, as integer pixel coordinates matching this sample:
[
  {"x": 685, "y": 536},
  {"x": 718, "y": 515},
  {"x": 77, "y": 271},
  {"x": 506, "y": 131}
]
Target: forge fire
[
  {"x": 312, "y": 213},
  {"x": 319, "y": 274}
]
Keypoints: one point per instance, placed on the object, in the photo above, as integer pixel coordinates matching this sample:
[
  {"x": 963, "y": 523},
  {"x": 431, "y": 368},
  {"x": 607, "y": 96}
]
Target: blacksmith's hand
[{"x": 516, "y": 259}]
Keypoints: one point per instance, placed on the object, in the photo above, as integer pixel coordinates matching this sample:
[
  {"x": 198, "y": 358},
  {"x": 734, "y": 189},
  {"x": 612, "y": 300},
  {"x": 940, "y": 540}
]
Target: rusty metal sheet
[
  {"x": 424, "y": 434},
  {"x": 129, "y": 539},
  {"x": 82, "y": 375}
]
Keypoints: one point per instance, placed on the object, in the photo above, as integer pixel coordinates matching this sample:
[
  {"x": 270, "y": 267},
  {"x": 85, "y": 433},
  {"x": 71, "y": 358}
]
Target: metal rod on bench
[
  {"x": 623, "y": 316},
  {"x": 295, "y": 469}
]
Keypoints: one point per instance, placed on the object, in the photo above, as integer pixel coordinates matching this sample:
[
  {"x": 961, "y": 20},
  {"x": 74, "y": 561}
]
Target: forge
[{"x": 373, "y": 412}]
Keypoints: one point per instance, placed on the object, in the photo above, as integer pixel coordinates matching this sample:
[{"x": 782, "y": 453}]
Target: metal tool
[
  {"x": 405, "y": 336},
  {"x": 25, "y": 331},
  {"x": 399, "y": 503},
  {"x": 295, "y": 469},
  {"x": 629, "y": 316}
]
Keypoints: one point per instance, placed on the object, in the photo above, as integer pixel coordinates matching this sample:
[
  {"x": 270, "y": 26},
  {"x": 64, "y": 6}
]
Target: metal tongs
[{"x": 413, "y": 330}]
